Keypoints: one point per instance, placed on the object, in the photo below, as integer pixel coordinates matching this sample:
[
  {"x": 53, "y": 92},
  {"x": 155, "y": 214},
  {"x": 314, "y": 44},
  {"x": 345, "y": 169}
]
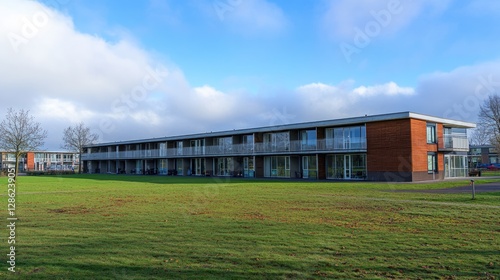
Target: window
[
  {"x": 431, "y": 133},
  {"x": 277, "y": 166},
  {"x": 180, "y": 147},
  {"x": 431, "y": 163},
  {"x": 346, "y": 138},
  {"x": 225, "y": 144},
  {"x": 277, "y": 141},
  {"x": 308, "y": 139},
  {"x": 248, "y": 142}
]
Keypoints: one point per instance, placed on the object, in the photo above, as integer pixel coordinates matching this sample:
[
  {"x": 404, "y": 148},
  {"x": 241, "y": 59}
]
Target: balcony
[
  {"x": 324, "y": 145},
  {"x": 454, "y": 143}
]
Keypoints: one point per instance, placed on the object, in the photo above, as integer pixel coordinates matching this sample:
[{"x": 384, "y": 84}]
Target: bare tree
[
  {"x": 489, "y": 120},
  {"x": 19, "y": 134},
  {"x": 479, "y": 137},
  {"x": 76, "y": 137}
]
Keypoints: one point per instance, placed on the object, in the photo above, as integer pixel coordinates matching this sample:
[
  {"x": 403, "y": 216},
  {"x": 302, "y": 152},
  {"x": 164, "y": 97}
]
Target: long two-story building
[{"x": 401, "y": 146}]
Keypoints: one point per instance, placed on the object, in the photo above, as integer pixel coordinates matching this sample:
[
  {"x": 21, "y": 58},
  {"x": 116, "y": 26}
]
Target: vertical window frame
[{"x": 431, "y": 133}]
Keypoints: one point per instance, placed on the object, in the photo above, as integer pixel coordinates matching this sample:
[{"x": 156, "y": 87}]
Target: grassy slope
[{"x": 133, "y": 227}]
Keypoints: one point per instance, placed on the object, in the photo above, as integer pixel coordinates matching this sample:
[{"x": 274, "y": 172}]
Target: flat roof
[{"x": 303, "y": 125}]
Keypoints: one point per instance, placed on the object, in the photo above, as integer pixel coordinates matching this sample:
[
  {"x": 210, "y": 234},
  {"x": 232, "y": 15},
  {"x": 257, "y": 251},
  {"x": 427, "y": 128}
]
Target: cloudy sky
[{"x": 144, "y": 69}]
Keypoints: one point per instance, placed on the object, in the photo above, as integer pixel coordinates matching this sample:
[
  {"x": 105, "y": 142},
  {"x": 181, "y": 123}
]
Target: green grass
[{"x": 141, "y": 227}]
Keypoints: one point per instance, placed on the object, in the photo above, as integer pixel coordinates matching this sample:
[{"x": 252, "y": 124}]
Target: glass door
[
  {"x": 199, "y": 166},
  {"x": 347, "y": 166},
  {"x": 305, "y": 167},
  {"x": 248, "y": 167}
]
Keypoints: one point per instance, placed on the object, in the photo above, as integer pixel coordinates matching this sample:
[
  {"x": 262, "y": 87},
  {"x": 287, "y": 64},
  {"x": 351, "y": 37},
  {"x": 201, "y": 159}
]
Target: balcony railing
[
  {"x": 454, "y": 142},
  {"x": 324, "y": 145}
]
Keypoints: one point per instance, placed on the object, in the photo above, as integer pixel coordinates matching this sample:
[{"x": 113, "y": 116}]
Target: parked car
[
  {"x": 482, "y": 165},
  {"x": 493, "y": 166}
]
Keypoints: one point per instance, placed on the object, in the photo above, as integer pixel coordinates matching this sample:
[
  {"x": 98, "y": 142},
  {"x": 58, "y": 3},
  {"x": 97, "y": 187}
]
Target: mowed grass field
[{"x": 151, "y": 227}]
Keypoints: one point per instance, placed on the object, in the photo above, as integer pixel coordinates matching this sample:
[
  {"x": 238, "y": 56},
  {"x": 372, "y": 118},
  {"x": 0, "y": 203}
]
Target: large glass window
[
  {"x": 163, "y": 149},
  {"x": 248, "y": 167},
  {"x": 162, "y": 164},
  {"x": 431, "y": 133},
  {"x": 179, "y": 146},
  {"x": 197, "y": 166},
  {"x": 346, "y": 166},
  {"x": 309, "y": 167},
  {"x": 455, "y": 166},
  {"x": 308, "y": 139},
  {"x": 225, "y": 166},
  {"x": 346, "y": 138},
  {"x": 277, "y": 141},
  {"x": 359, "y": 166},
  {"x": 278, "y": 166},
  {"x": 198, "y": 147},
  {"x": 225, "y": 144},
  {"x": 248, "y": 143}
]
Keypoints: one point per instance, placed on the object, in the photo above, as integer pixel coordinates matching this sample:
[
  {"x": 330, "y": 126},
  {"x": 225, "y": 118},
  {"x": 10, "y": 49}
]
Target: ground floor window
[
  {"x": 346, "y": 166},
  {"x": 178, "y": 166},
  {"x": 197, "y": 167},
  {"x": 248, "y": 167},
  {"x": 309, "y": 167},
  {"x": 225, "y": 166},
  {"x": 277, "y": 166},
  {"x": 162, "y": 164},
  {"x": 455, "y": 166},
  {"x": 431, "y": 163}
]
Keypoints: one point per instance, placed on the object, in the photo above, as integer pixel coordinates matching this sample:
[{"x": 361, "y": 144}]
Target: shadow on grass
[{"x": 161, "y": 179}]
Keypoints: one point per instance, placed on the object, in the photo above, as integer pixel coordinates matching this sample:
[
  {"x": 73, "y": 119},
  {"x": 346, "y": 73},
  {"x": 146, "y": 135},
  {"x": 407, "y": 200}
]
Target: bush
[{"x": 50, "y": 172}]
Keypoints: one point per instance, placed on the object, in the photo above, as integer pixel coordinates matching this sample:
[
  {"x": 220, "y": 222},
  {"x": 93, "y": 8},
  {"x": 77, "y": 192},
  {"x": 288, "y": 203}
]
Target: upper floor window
[
  {"x": 225, "y": 143},
  {"x": 248, "y": 142},
  {"x": 431, "y": 133},
  {"x": 345, "y": 138},
  {"x": 279, "y": 141},
  {"x": 308, "y": 139}
]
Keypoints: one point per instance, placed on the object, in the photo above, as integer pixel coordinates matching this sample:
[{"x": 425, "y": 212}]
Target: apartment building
[
  {"x": 483, "y": 154},
  {"x": 41, "y": 161},
  {"x": 403, "y": 146}
]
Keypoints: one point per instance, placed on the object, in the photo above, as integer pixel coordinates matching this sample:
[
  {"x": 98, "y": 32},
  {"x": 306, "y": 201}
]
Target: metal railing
[
  {"x": 455, "y": 142},
  {"x": 323, "y": 145}
]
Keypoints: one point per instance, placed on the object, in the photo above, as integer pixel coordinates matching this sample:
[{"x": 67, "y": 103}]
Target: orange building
[{"x": 41, "y": 161}]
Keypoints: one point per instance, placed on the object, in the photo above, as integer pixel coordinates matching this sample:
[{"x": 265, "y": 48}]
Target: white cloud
[
  {"x": 458, "y": 93},
  {"x": 322, "y": 101},
  {"x": 390, "y": 88},
  {"x": 123, "y": 92}
]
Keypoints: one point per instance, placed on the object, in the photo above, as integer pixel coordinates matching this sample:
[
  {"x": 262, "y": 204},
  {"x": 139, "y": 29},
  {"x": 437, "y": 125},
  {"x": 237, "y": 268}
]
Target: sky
[{"x": 154, "y": 68}]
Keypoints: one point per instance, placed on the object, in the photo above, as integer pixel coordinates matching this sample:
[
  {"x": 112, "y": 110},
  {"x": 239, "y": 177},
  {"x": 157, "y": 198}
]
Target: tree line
[{"x": 20, "y": 133}]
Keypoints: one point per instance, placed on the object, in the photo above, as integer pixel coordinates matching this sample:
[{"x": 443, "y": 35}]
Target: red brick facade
[{"x": 398, "y": 149}]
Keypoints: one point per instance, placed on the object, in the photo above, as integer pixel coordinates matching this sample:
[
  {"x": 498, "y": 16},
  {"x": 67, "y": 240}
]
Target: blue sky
[{"x": 225, "y": 64}]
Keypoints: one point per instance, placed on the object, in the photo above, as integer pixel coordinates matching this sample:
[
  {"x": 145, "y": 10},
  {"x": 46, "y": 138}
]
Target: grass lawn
[{"x": 141, "y": 227}]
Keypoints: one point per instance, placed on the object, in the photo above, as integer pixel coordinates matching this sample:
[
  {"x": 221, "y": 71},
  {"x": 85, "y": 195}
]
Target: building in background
[
  {"x": 484, "y": 154},
  {"x": 390, "y": 147},
  {"x": 41, "y": 161}
]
